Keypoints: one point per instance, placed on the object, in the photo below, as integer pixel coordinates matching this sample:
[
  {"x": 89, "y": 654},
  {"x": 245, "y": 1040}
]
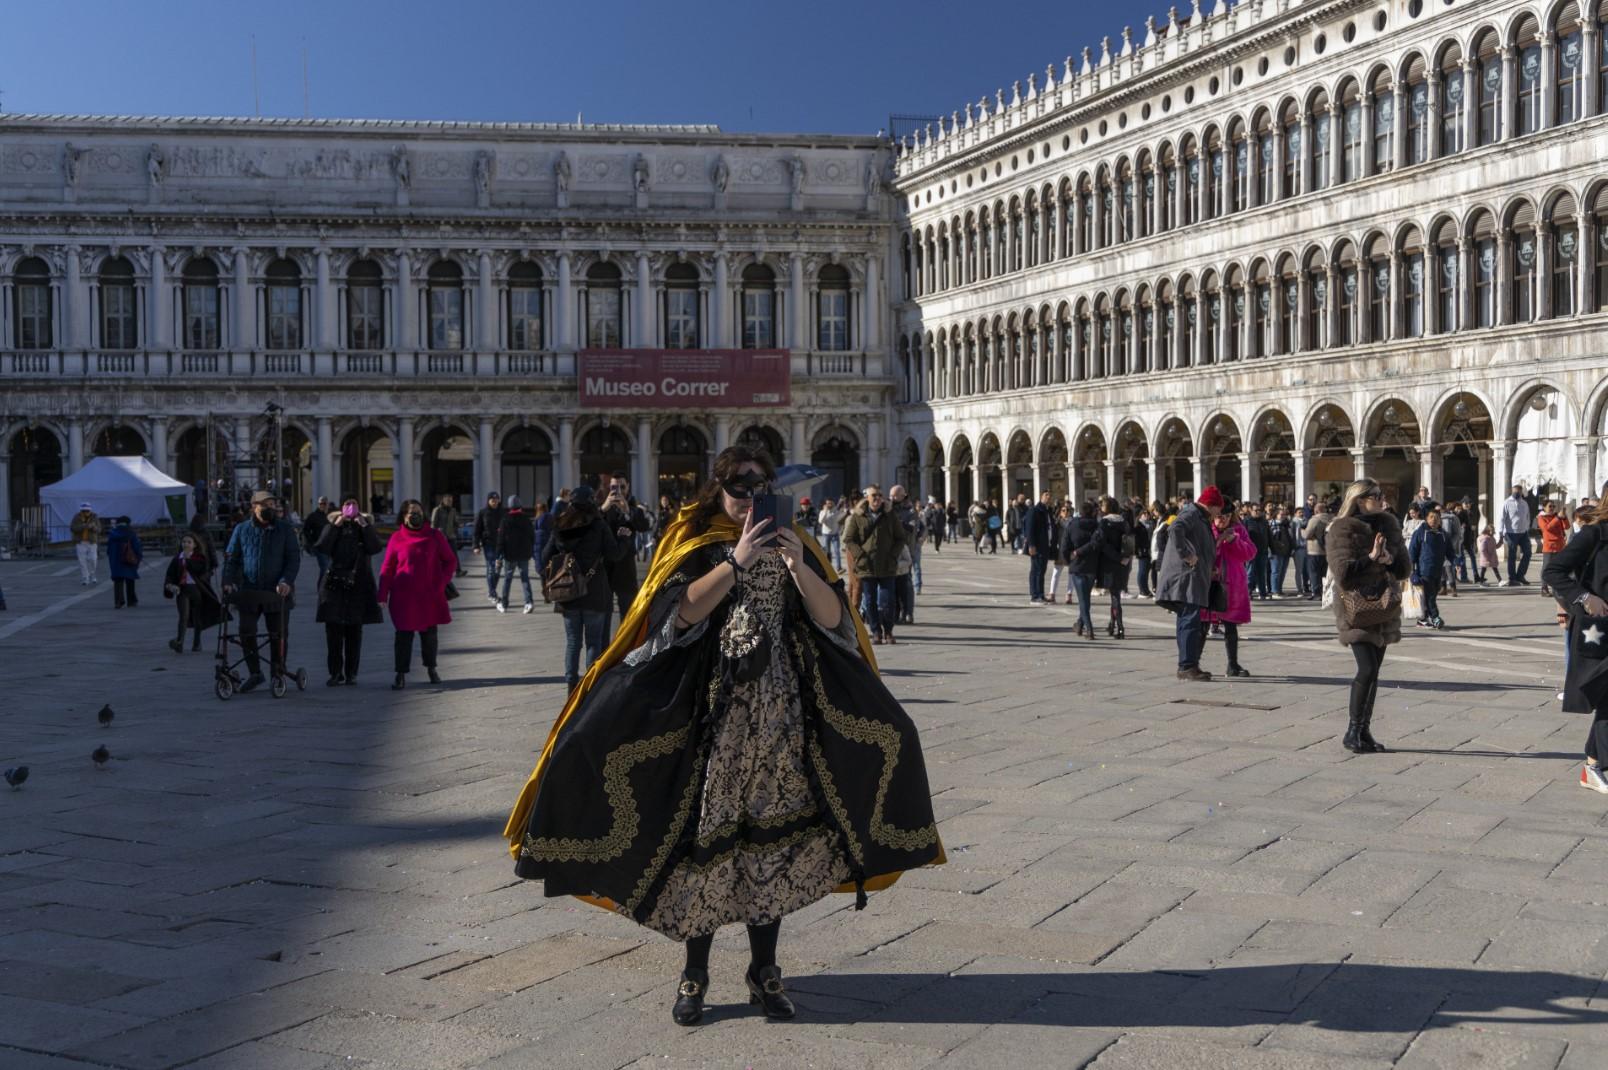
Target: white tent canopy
[{"x": 113, "y": 486}]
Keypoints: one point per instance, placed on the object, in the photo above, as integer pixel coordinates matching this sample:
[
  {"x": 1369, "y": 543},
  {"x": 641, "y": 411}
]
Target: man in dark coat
[
  {"x": 1184, "y": 583},
  {"x": 516, "y": 545},
  {"x": 1261, "y": 577},
  {"x": 262, "y": 556},
  {"x": 1039, "y": 548},
  {"x": 874, "y": 537},
  {"x": 625, "y": 518},
  {"x": 487, "y": 523},
  {"x": 312, "y": 527}
]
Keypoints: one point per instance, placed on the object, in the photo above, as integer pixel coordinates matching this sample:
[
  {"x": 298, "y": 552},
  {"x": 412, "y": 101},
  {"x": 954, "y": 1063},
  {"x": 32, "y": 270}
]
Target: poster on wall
[{"x": 684, "y": 378}]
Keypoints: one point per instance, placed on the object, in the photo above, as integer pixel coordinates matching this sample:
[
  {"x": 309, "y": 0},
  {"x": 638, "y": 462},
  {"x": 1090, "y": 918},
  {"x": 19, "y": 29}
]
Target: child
[{"x": 1487, "y": 558}]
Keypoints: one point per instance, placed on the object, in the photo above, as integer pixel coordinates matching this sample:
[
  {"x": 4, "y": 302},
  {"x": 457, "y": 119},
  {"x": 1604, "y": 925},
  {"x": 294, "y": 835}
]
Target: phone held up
[{"x": 778, "y": 508}]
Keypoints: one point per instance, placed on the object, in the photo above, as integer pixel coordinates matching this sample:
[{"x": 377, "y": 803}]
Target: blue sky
[{"x": 821, "y": 65}]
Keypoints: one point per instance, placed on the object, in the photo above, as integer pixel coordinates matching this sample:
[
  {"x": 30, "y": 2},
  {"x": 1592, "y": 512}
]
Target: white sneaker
[
  {"x": 1591, "y": 777},
  {"x": 1035, "y": 601},
  {"x": 1277, "y": 597},
  {"x": 502, "y": 607},
  {"x": 529, "y": 609}
]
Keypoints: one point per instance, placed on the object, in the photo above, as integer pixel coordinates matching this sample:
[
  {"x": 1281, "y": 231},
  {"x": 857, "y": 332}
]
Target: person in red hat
[{"x": 1185, "y": 577}]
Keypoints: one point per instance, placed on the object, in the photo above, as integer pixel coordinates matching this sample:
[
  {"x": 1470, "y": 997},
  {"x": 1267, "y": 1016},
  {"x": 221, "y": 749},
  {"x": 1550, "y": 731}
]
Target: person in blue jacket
[
  {"x": 124, "y": 554},
  {"x": 262, "y": 555},
  {"x": 1429, "y": 551}
]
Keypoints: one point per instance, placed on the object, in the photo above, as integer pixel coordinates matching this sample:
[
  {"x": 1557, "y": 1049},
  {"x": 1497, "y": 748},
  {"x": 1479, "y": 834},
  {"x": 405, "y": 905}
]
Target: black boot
[
  {"x": 1369, "y": 745},
  {"x": 765, "y": 990},
  {"x": 689, "y": 1006},
  {"x": 1353, "y": 738},
  {"x": 400, "y": 682}
]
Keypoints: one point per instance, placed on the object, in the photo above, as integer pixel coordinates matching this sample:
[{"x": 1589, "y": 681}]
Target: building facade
[
  {"x": 395, "y": 309},
  {"x": 1268, "y": 246}
]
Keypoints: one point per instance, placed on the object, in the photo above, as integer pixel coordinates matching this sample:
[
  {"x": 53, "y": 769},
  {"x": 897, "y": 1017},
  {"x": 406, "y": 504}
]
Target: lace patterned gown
[{"x": 755, "y": 780}]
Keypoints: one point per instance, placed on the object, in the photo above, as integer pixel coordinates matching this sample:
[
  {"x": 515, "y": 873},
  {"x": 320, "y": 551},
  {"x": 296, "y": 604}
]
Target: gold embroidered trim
[
  {"x": 689, "y": 795},
  {"x": 730, "y": 827},
  {"x": 790, "y": 840},
  {"x": 626, "y": 818}
]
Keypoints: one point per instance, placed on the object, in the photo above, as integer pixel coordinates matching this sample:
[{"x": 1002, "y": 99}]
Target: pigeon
[
  {"x": 16, "y": 776},
  {"x": 101, "y": 756},
  {"x": 105, "y": 716}
]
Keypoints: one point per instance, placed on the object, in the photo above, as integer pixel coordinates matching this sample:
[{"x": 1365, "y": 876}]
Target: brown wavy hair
[{"x": 707, "y": 503}]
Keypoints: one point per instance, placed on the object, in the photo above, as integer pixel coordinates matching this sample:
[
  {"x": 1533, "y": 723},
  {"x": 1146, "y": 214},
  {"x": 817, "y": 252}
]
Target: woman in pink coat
[
  {"x": 1234, "y": 550},
  {"x": 419, "y": 563}
]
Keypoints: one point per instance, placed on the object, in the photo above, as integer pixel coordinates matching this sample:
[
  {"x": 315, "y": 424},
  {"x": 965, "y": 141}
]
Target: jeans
[
  {"x": 1055, "y": 578},
  {"x": 1465, "y": 561},
  {"x": 1317, "y": 567},
  {"x": 1519, "y": 552},
  {"x": 582, "y": 624},
  {"x": 879, "y": 594},
  {"x": 904, "y": 590},
  {"x": 188, "y": 601},
  {"x": 1083, "y": 584},
  {"x": 509, "y": 566},
  {"x": 428, "y": 645},
  {"x": 915, "y": 571},
  {"x": 490, "y": 554},
  {"x": 1431, "y": 591},
  {"x": 833, "y": 545},
  {"x": 343, "y": 648},
  {"x": 323, "y": 562},
  {"x": 87, "y": 553},
  {"x": 1144, "y": 576},
  {"x": 1035, "y": 577},
  {"x": 1262, "y": 574},
  {"x": 1301, "y": 579},
  {"x": 1281, "y": 565},
  {"x": 1191, "y": 637}
]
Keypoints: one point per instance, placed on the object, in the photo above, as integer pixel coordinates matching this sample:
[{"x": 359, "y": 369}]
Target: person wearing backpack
[
  {"x": 124, "y": 554},
  {"x": 575, "y": 578}
]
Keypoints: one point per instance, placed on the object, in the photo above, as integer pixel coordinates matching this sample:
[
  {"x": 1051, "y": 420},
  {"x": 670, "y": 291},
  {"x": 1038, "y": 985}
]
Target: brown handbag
[
  {"x": 564, "y": 581},
  {"x": 1364, "y": 611}
]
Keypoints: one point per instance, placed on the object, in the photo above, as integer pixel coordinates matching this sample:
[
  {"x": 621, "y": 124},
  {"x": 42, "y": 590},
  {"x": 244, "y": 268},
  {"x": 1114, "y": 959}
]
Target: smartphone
[{"x": 778, "y": 508}]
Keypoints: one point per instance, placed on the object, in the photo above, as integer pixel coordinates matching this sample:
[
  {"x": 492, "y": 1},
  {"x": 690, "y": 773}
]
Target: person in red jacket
[
  {"x": 419, "y": 564},
  {"x": 1554, "y": 536}
]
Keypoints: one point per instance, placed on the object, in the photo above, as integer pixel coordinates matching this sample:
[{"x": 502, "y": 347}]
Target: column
[
  {"x": 1585, "y": 295},
  {"x": 1337, "y": 145},
  {"x": 402, "y": 482},
  {"x": 646, "y": 307},
  {"x": 244, "y": 336},
  {"x": 1586, "y": 466},
  {"x": 1303, "y": 475},
  {"x": 723, "y": 434},
  {"x": 1549, "y": 76},
  {"x": 157, "y": 306},
  {"x": 5, "y": 492},
  {"x": 75, "y": 445},
  {"x": 159, "y": 442},
  {"x": 951, "y": 484},
  {"x": 1331, "y": 309},
  {"x": 979, "y": 493},
  {"x": 1306, "y": 163},
  {"x": 1152, "y": 480},
  {"x": 719, "y": 300},
  {"x": 1504, "y": 279},
  {"x": 1111, "y": 477},
  {"x": 1501, "y": 480},
  {"x": 1038, "y": 481},
  {"x": 1471, "y": 102},
  {"x": 324, "y": 462},
  {"x": 876, "y": 464},
  {"x": 1253, "y": 169},
  {"x": 486, "y": 329},
  {"x": 407, "y": 312},
  {"x": 1393, "y": 316},
  {"x": 1359, "y": 462},
  {"x": 1427, "y": 474},
  {"x": 1508, "y": 105},
  {"x": 1279, "y": 192},
  {"x": 564, "y": 308},
  {"x": 798, "y": 451},
  {"x": 1180, "y": 190},
  {"x": 488, "y": 472},
  {"x": 73, "y": 318},
  {"x": 1398, "y": 126},
  {"x": 796, "y": 312},
  {"x": 1368, "y": 161},
  {"x": 1543, "y": 271},
  {"x": 245, "y": 470},
  {"x": 1465, "y": 282},
  {"x": 872, "y": 305},
  {"x": 566, "y": 454},
  {"x": 1250, "y": 489},
  {"x": 1097, "y": 228},
  {"x": 1197, "y": 472},
  {"x": 326, "y": 310},
  {"x": 1589, "y": 47},
  {"x": 643, "y": 468}
]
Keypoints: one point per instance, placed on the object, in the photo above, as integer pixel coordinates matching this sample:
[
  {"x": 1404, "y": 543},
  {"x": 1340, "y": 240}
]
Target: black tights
[
  {"x": 1231, "y": 642},
  {"x": 1597, "y": 741},
  {"x": 761, "y": 945},
  {"x": 1366, "y": 683}
]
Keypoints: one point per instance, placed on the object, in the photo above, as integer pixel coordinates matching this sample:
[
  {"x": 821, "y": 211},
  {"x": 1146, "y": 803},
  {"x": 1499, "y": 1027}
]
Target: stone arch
[{"x": 1221, "y": 443}]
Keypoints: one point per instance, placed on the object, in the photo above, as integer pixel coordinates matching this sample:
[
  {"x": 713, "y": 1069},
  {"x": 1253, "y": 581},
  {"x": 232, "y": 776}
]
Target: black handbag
[
  {"x": 1217, "y": 597},
  {"x": 452, "y": 591}
]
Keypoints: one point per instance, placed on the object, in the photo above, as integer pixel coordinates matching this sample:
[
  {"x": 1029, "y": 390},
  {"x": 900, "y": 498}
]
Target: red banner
[{"x": 685, "y": 378}]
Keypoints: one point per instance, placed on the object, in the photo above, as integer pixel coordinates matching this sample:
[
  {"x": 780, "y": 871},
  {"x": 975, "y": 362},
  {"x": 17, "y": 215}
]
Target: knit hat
[
  {"x": 513, "y": 501},
  {"x": 1210, "y": 498},
  {"x": 582, "y": 495}
]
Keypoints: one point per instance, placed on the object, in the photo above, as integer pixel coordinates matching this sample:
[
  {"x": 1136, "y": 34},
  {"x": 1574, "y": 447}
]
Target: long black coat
[
  {"x": 1080, "y": 545},
  {"x": 210, "y": 611},
  {"x": 516, "y": 538},
  {"x": 582, "y": 531},
  {"x": 1113, "y": 569},
  {"x": 350, "y": 546},
  {"x": 1580, "y": 567}
]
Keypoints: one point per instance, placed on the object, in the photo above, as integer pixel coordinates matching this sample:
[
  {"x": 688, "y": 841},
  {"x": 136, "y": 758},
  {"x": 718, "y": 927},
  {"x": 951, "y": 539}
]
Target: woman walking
[
  {"x": 585, "y": 541},
  {"x": 1235, "y": 550},
  {"x": 1116, "y": 560},
  {"x": 1060, "y": 565},
  {"x": 346, "y": 596},
  {"x": 189, "y": 583},
  {"x": 1367, "y": 561},
  {"x": 738, "y": 718},
  {"x": 414, "y": 576},
  {"x": 830, "y": 519},
  {"x": 124, "y": 553},
  {"x": 1429, "y": 550},
  {"x": 1578, "y": 577},
  {"x": 1080, "y": 545}
]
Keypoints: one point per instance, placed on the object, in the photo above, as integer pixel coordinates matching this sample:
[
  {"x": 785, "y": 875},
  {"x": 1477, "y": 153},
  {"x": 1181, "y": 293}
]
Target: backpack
[
  {"x": 130, "y": 558},
  {"x": 993, "y": 523},
  {"x": 1127, "y": 548},
  {"x": 1280, "y": 540},
  {"x": 563, "y": 581}
]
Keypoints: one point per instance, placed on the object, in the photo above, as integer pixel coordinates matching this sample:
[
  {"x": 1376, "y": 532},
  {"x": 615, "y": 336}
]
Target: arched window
[
  {"x": 1033, "y": 234},
  {"x": 1291, "y": 124},
  {"x": 1107, "y": 213},
  {"x": 1417, "y": 148},
  {"x": 904, "y": 256},
  {"x": 1216, "y": 176},
  {"x": 445, "y": 282},
  {"x": 1017, "y": 240},
  {"x": 365, "y": 306},
  {"x": 1600, "y": 228},
  {"x": 1169, "y": 192},
  {"x": 1105, "y": 356},
  {"x": 1384, "y": 131},
  {"x": 1571, "y": 72},
  {"x": 1240, "y": 190},
  {"x": 201, "y": 304},
  {"x": 1529, "y": 50},
  {"x": 1262, "y": 313},
  {"x": 1127, "y": 223},
  {"x": 1147, "y": 196},
  {"x": 282, "y": 304},
  {"x": 1564, "y": 238},
  {"x": 1146, "y": 327},
  {"x": 1123, "y": 362},
  {"x": 759, "y": 307},
  {"x": 1453, "y": 103},
  {"x": 1267, "y": 165},
  {"x": 605, "y": 315},
  {"x": 916, "y": 255},
  {"x": 1489, "y": 71},
  {"x": 1482, "y": 231},
  {"x": 1234, "y": 313},
  {"x": 1351, "y": 132},
  {"x": 985, "y": 248},
  {"x": 525, "y": 306},
  {"x": 1411, "y": 250},
  {"x": 932, "y": 262},
  {"x": 1526, "y": 272},
  {"x": 1002, "y": 262},
  {"x": 832, "y": 309},
  {"x": 1191, "y": 159},
  {"x": 1378, "y": 266},
  {"x": 1447, "y": 269},
  {"x": 680, "y": 307},
  {"x": 32, "y": 301},
  {"x": 1350, "y": 281},
  {"x": 1289, "y": 299},
  {"x": 1214, "y": 315},
  {"x": 1602, "y": 59},
  {"x": 118, "y": 308},
  {"x": 1191, "y": 309},
  {"x": 1166, "y": 324},
  {"x": 1317, "y": 310},
  {"x": 971, "y": 248},
  {"x": 1322, "y": 142}
]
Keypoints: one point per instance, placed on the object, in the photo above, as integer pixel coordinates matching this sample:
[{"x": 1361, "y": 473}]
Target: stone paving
[{"x": 1142, "y": 873}]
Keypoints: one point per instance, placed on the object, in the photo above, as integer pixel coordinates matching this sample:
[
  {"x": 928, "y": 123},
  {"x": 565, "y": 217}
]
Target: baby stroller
[{"x": 269, "y": 644}]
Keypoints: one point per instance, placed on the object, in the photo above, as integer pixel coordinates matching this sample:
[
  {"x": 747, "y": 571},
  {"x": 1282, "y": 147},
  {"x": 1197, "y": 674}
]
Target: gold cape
[{"x": 678, "y": 541}]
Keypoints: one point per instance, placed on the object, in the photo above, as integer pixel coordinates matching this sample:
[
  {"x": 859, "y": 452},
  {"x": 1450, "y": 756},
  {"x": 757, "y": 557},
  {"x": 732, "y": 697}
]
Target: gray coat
[{"x": 1179, "y": 585}]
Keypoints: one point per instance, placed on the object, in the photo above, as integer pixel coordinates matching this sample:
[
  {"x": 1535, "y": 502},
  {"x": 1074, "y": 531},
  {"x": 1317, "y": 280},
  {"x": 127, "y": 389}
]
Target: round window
[
  {"x": 1189, "y": 94},
  {"x": 1213, "y": 86},
  {"x": 1122, "y": 121},
  {"x": 1415, "y": 8},
  {"x": 1350, "y": 32},
  {"x": 1083, "y": 136},
  {"x": 1261, "y": 66},
  {"x": 1103, "y": 127},
  {"x": 1030, "y": 156},
  {"x": 1066, "y": 142},
  {"x": 1319, "y": 43},
  {"x": 1015, "y": 162},
  {"x": 1144, "y": 111},
  {"x": 1239, "y": 75},
  {"x": 1379, "y": 20},
  {"x": 1289, "y": 56}
]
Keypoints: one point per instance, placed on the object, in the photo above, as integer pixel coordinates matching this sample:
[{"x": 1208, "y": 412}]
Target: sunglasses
[{"x": 1375, "y": 495}]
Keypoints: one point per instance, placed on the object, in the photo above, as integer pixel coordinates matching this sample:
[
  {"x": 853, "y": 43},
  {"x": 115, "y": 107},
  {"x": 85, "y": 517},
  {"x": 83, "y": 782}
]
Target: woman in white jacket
[{"x": 830, "y": 519}]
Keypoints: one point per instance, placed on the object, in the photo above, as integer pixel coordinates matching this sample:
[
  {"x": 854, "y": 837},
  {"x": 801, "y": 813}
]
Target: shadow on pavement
[{"x": 1385, "y": 683}]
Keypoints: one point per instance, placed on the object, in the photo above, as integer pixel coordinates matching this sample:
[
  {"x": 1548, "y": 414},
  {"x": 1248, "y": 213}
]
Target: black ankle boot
[
  {"x": 1353, "y": 738},
  {"x": 765, "y": 990},
  {"x": 400, "y": 682},
  {"x": 1370, "y": 745},
  {"x": 689, "y": 1006}
]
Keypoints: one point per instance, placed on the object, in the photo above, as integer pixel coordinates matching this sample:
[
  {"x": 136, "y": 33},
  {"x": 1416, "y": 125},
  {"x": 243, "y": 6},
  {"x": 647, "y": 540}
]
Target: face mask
[
  {"x": 269, "y": 514},
  {"x": 414, "y": 521},
  {"x": 349, "y": 510}
]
